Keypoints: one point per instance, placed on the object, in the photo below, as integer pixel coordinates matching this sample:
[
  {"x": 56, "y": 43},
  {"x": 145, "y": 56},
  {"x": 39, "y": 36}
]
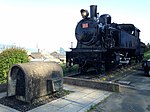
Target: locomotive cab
[
  {"x": 105, "y": 19},
  {"x": 131, "y": 29}
]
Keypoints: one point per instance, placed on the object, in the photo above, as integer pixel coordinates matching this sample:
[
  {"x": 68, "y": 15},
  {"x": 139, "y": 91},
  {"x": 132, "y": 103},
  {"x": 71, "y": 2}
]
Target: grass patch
[{"x": 92, "y": 108}]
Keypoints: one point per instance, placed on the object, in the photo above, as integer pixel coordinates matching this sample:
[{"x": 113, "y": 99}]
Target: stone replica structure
[{"x": 31, "y": 80}]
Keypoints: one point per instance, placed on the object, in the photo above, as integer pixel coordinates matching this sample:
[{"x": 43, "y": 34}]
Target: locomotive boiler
[{"x": 103, "y": 45}]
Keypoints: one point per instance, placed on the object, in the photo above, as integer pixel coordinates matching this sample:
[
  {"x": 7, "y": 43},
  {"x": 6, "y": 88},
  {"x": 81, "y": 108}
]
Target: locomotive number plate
[{"x": 85, "y": 25}]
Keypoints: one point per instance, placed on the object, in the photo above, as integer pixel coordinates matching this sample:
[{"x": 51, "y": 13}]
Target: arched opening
[{"x": 17, "y": 77}]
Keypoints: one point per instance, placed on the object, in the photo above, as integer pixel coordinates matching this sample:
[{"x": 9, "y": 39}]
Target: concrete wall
[
  {"x": 82, "y": 82},
  {"x": 92, "y": 84}
]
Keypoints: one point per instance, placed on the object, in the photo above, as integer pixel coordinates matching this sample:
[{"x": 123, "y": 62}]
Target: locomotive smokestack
[{"x": 93, "y": 11}]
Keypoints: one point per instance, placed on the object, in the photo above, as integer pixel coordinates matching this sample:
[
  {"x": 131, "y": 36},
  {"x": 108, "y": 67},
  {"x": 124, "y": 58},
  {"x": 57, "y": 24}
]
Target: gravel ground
[
  {"x": 23, "y": 106},
  {"x": 112, "y": 76}
]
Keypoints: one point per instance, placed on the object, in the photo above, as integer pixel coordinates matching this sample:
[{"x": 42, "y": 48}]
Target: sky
[{"x": 50, "y": 24}]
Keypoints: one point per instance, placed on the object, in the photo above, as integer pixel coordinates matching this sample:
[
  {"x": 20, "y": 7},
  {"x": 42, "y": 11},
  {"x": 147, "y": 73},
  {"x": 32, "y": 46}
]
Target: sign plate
[{"x": 85, "y": 25}]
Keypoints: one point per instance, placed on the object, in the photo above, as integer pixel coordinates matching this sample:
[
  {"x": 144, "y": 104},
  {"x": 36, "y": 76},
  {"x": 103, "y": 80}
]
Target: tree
[
  {"x": 9, "y": 57},
  {"x": 148, "y": 47}
]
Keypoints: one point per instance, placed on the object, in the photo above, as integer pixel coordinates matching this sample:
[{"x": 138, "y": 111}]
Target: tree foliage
[
  {"x": 9, "y": 57},
  {"x": 147, "y": 47},
  {"x": 147, "y": 55}
]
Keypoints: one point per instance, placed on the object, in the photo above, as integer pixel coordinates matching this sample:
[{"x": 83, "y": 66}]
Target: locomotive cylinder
[{"x": 93, "y": 11}]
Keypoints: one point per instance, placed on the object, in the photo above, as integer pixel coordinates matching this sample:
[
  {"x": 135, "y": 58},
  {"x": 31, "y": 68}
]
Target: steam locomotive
[{"x": 104, "y": 45}]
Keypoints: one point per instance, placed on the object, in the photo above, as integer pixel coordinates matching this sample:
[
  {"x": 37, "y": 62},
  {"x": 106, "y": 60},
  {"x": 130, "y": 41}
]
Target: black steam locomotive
[{"x": 104, "y": 45}]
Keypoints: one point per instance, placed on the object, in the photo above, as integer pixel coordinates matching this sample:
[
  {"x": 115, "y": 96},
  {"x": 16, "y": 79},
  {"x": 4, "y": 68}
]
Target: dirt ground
[{"x": 135, "y": 98}]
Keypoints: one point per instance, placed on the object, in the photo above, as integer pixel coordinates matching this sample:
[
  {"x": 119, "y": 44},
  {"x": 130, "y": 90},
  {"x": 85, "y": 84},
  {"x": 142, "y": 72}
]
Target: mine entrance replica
[{"x": 32, "y": 80}]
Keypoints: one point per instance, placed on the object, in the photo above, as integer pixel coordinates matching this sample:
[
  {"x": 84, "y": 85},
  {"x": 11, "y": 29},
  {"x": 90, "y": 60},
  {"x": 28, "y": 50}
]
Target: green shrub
[
  {"x": 9, "y": 57},
  {"x": 147, "y": 55},
  {"x": 66, "y": 70}
]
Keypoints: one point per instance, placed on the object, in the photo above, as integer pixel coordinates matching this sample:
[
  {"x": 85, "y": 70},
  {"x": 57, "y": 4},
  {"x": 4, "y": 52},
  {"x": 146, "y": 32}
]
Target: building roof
[{"x": 36, "y": 55}]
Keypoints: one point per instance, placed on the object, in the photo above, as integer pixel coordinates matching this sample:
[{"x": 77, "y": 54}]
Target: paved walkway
[
  {"x": 79, "y": 101},
  {"x": 135, "y": 98}
]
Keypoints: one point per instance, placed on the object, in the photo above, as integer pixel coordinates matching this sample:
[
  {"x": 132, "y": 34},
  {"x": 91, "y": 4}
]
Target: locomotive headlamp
[{"x": 84, "y": 13}]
